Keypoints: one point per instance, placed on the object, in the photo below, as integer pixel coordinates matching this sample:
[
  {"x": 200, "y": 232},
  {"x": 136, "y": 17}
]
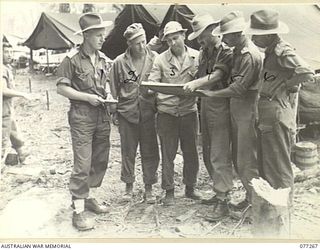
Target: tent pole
[{"x": 47, "y": 59}]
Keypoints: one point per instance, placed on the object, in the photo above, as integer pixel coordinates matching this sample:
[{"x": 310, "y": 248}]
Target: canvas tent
[
  {"x": 115, "y": 43},
  {"x": 183, "y": 15},
  {"x": 21, "y": 54},
  {"x": 56, "y": 31},
  {"x": 153, "y": 19}
]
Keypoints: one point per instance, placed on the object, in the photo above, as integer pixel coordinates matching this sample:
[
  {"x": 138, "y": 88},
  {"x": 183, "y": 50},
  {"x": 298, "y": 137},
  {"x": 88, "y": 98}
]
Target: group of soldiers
[{"x": 247, "y": 116}]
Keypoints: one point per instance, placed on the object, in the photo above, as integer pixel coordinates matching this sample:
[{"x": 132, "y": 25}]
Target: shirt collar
[
  {"x": 172, "y": 59},
  {"x": 128, "y": 58},
  {"x": 84, "y": 54},
  {"x": 215, "y": 47},
  {"x": 170, "y": 56},
  {"x": 240, "y": 46},
  {"x": 271, "y": 47}
]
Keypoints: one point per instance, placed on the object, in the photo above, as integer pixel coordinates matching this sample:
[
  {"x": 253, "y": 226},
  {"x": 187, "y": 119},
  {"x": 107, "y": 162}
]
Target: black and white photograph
[{"x": 148, "y": 121}]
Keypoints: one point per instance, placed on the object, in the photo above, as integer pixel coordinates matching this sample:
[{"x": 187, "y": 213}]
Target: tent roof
[
  {"x": 184, "y": 15},
  {"x": 153, "y": 17},
  {"x": 56, "y": 31},
  {"x": 115, "y": 43},
  {"x": 13, "y": 40}
]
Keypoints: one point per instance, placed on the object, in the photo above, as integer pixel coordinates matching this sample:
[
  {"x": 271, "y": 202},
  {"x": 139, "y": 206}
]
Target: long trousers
[
  {"x": 216, "y": 142},
  {"x": 90, "y": 132},
  {"x": 244, "y": 139},
  {"x": 142, "y": 134},
  {"x": 172, "y": 130},
  {"x": 275, "y": 140}
]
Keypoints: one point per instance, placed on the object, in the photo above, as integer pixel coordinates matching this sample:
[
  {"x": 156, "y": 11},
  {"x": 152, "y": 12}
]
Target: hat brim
[
  {"x": 217, "y": 31},
  {"x": 194, "y": 35},
  {"x": 104, "y": 24},
  {"x": 281, "y": 29},
  {"x": 172, "y": 32}
]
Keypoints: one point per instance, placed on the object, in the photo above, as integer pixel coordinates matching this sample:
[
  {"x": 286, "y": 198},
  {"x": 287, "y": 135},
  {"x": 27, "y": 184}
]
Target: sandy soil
[{"x": 35, "y": 201}]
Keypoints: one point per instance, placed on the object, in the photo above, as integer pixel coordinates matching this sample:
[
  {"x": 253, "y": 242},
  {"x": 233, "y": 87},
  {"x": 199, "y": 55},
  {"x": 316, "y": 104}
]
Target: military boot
[
  {"x": 149, "y": 197},
  {"x": 80, "y": 222},
  {"x": 168, "y": 200},
  {"x": 92, "y": 205},
  {"x": 191, "y": 193},
  {"x": 128, "y": 195},
  {"x": 220, "y": 211}
]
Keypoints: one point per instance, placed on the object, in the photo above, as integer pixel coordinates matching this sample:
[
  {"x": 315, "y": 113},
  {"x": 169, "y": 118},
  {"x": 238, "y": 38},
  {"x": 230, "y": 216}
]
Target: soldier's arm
[
  {"x": 73, "y": 94},
  {"x": 113, "y": 79},
  {"x": 65, "y": 72},
  {"x": 210, "y": 80},
  {"x": 239, "y": 82},
  {"x": 223, "y": 93},
  {"x": 12, "y": 92},
  {"x": 219, "y": 73},
  {"x": 155, "y": 73},
  {"x": 300, "y": 71}
]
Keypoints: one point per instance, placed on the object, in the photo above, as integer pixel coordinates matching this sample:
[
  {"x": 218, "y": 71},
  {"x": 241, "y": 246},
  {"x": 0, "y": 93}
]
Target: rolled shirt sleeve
[
  {"x": 291, "y": 61},
  {"x": 242, "y": 79},
  {"x": 65, "y": 72},
  {"x": 224, "y": 62}
]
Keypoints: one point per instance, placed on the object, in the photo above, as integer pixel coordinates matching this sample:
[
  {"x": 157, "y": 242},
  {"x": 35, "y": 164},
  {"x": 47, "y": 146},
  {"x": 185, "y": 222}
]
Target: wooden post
[
  {"x": 48, "y": 101},
  {"x": 30, "y": 89},
  {"x": 31, "y": 61}
]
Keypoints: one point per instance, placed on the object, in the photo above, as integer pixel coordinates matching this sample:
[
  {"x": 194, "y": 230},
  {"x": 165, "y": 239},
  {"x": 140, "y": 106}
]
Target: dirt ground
[{"x": 35, "y": 201}]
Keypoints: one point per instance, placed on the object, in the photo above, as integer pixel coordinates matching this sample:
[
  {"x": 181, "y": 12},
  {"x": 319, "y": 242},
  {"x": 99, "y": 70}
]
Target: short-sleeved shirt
[
  {"x": 7, "y": 102},
  {"x": 77, "y": 71},
  {"x": 246, "y": 69},
  {"x": 135, "y": 102},
  {"x": 167, "y": 69},
  {"x": 219, "y": 57},
  {"x": 281, "y": 63}
]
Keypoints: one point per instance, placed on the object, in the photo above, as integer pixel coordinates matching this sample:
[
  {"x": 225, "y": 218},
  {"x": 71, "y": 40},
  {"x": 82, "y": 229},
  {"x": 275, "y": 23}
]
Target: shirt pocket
[
  {"x": 171, "y": 76},
  {"x": 84, "y": 80}
]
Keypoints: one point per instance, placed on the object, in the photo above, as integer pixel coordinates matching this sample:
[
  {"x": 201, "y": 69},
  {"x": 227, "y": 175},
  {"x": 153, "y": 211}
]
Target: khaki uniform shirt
[
  {"x": 167, "y": 69},
  {"x": 281, "y": 63},
  {"x": 135, "y": 102},
  {"x": 246, "y": 68},
  {"x": 220, "y": 57},
  {"x": 77, "y": 71}
]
